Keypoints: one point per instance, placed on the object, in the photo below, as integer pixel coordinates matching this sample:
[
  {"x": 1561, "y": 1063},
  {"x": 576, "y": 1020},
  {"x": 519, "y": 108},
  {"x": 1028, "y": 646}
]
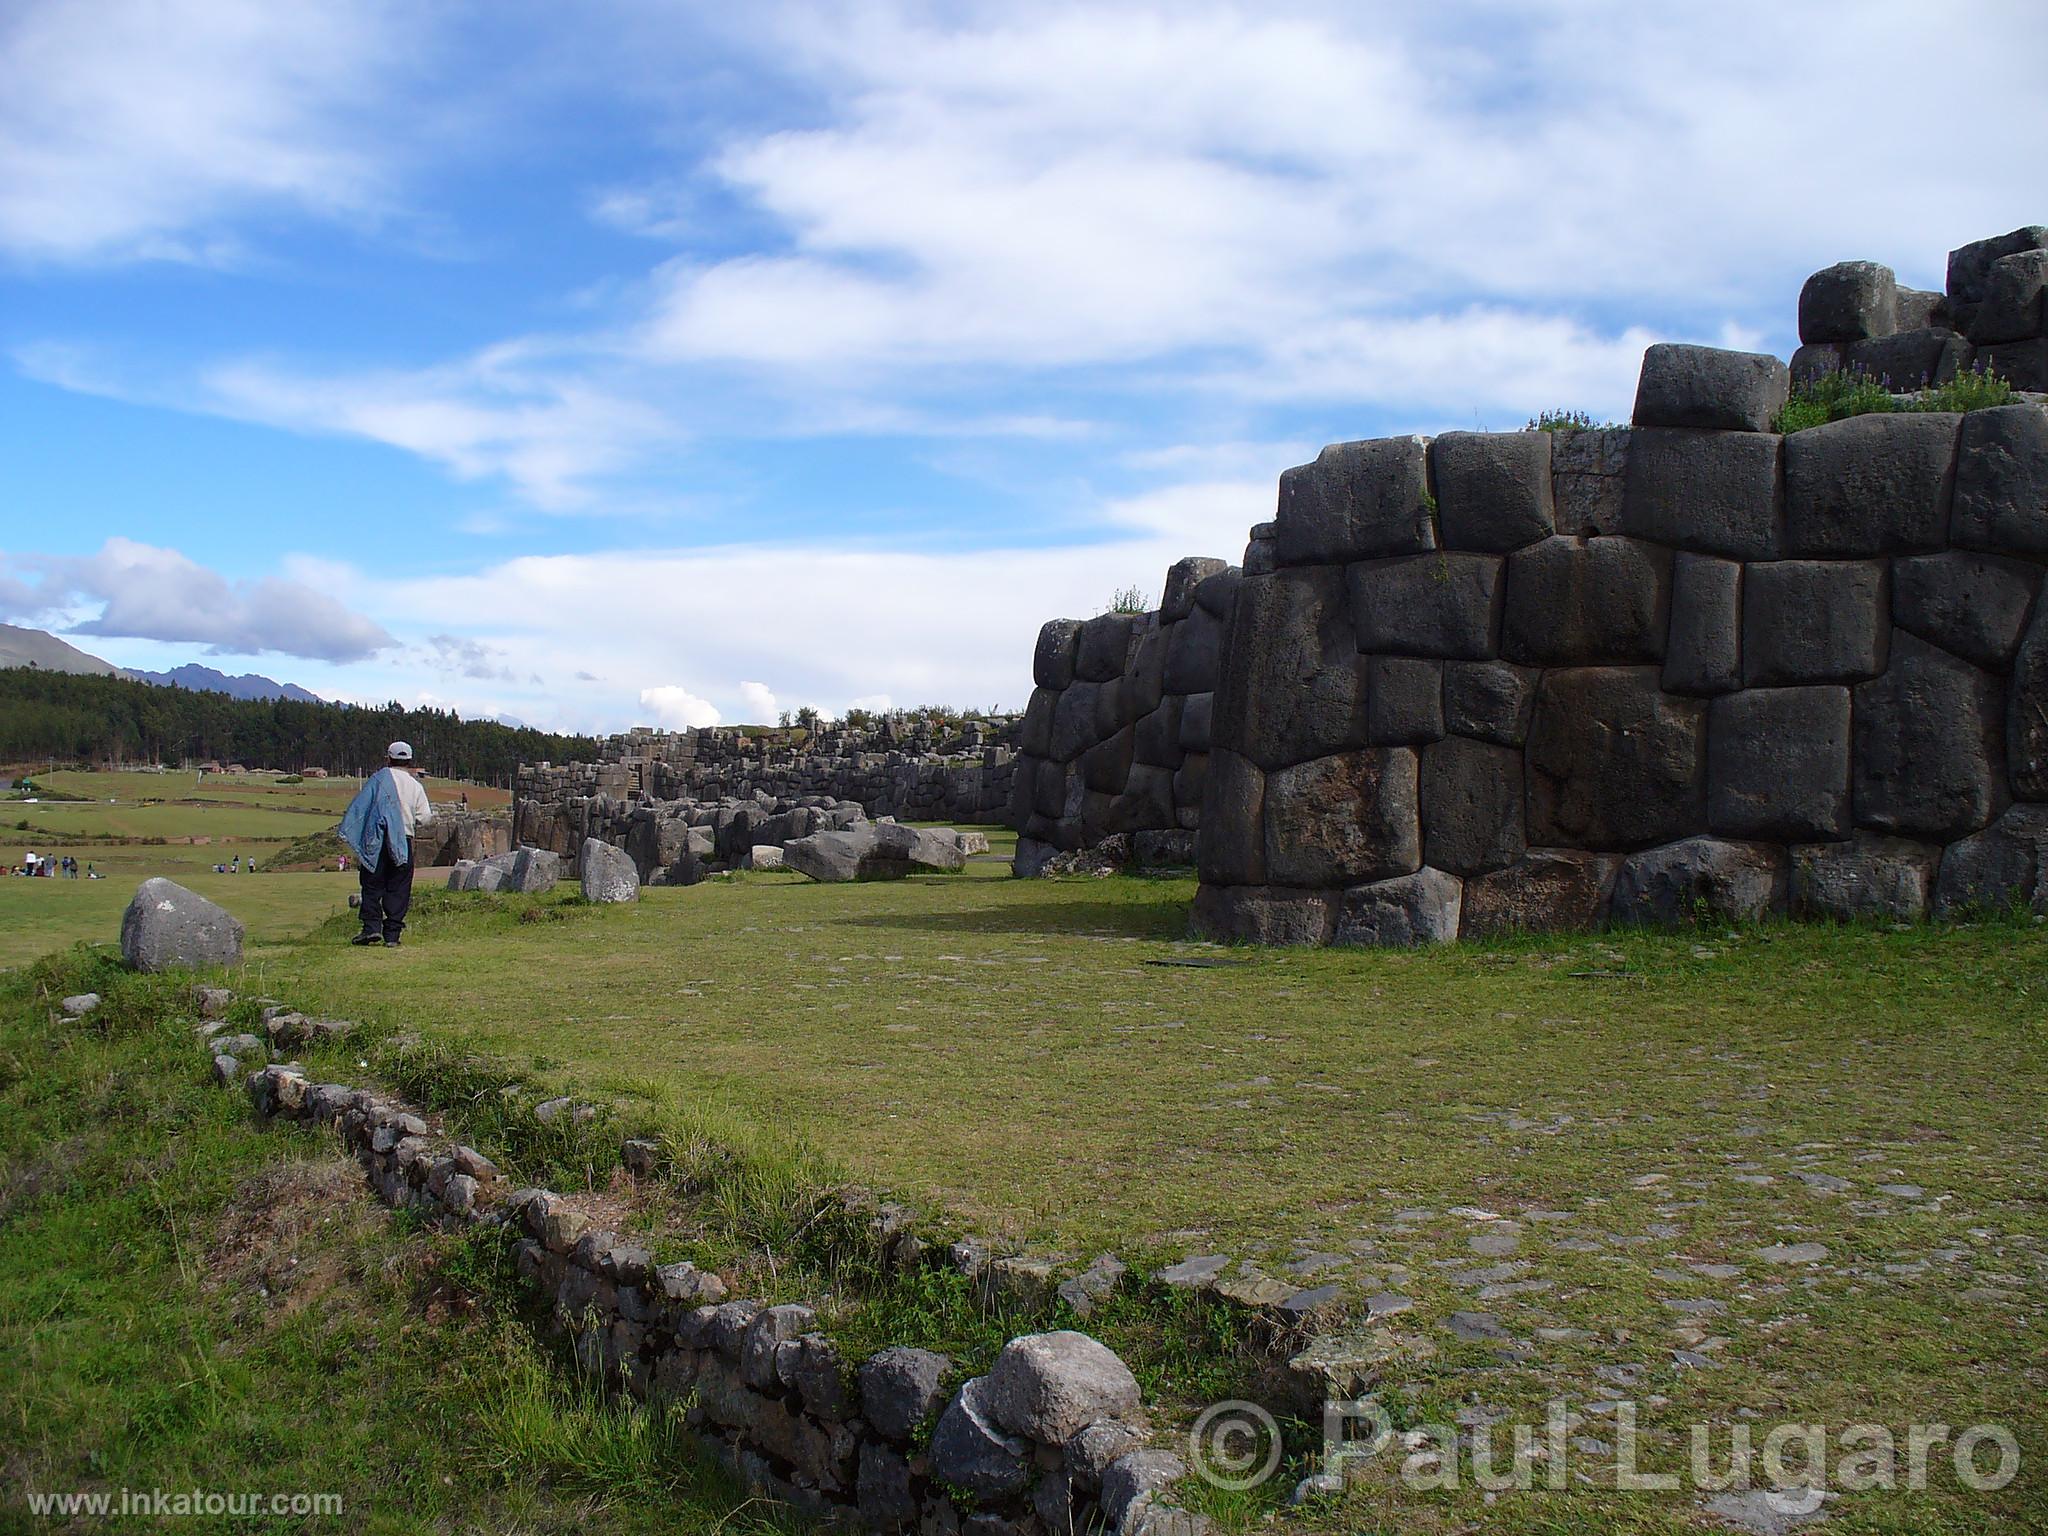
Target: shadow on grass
[{"x": 1123, "y": 919}]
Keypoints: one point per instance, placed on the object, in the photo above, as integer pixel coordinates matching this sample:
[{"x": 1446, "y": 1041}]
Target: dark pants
[{"x": 387, "y": 895}]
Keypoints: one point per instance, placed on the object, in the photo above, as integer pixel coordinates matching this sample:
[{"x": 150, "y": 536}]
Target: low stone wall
[
  {"x": 675, "y": 842},
  {"x": 1116, "y": 738},
  {"x": 1051, "y": 1441},
  {"x": 1513, "y": 680}
]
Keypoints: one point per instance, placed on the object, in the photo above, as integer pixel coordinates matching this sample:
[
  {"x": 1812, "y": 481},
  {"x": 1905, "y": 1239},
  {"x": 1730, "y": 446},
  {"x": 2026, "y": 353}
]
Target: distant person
[
  {"x": 90, "y": 872},
  {"x": 28, "y": 861},
  {"x": 379, "y": 825}
]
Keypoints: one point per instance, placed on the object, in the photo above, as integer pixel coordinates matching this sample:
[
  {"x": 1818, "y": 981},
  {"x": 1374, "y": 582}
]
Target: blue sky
[{"x": 633, "y": 363}]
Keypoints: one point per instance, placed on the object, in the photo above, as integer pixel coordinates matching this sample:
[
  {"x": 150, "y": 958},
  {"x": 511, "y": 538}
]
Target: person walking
[{"x": 378, "y": 826}]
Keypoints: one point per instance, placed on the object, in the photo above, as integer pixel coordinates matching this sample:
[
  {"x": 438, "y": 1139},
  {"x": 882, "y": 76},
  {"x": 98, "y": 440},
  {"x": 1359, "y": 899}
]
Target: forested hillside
[{"x": 76, "y": 718}]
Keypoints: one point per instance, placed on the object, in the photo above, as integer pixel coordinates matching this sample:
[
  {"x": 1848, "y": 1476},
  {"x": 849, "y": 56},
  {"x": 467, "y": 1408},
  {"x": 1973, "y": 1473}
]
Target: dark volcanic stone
[
  {"x": 1493, "y": 489},
  {"x": 1574, "y": 602},
  {"x": 1927, "y": 758},
  {"x": 1870, "y": 485},
  {"x": 1343, "y": 819},
  {"x": 1778, "y": 764},
  {"x": 1357, "y": 501},
  {"x": 1717, "y": 493},
  {"x": 1614, "y": 762}
]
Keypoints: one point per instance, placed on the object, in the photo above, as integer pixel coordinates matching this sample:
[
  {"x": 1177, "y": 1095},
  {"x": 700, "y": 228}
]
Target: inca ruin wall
[
  {"x": 1528, "y": 680},
  {"x": 1116, "y": 737},
  {"x": 908, "y": 771}
]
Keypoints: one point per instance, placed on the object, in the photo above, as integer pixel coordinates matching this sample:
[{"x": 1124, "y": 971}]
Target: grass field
[
  {"x": 192, "y": 1301},
  {"x": 1776, "y": 1174},
  {"x": 130, "y": 826}
]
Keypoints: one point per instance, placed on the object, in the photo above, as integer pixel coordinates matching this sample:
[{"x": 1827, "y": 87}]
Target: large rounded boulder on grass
[
  {"x": 608, "y": 873},
  {"x": 167, "y": 927}
]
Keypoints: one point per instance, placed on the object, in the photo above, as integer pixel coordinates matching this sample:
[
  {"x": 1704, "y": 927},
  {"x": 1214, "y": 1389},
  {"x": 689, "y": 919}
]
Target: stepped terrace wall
[
  {"x": 1116, "y": 736},
  {"x": 1523, "y": 680}
]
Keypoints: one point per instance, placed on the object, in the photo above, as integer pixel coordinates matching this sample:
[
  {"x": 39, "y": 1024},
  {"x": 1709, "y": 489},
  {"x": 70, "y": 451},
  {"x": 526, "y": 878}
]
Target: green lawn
[
  {"x": 190, "y": 1300},
  {"x": 1605, "y": 1148}
]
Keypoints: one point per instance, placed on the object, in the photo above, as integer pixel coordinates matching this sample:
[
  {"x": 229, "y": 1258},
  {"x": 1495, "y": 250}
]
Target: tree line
[{"x": 76, "y": 718}]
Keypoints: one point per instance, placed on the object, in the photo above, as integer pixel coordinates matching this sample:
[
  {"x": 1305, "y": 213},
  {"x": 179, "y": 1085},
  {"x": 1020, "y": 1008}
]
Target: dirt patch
[{"x": 290, "y": 1236}]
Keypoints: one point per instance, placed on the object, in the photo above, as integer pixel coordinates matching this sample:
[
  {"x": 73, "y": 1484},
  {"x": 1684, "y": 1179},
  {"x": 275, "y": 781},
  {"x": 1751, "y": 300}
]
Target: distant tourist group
[
  {"x": 236, "y": 867},
  {"x": 64, "y": 868}
]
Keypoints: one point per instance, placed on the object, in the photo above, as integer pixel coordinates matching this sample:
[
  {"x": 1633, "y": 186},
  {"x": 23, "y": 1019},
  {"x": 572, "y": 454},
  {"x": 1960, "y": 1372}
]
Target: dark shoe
[
  {"x": 367, "y": 938},
  {"x": 391, "y": 943}
]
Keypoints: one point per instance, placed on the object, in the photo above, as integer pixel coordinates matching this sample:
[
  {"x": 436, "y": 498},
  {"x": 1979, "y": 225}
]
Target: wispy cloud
[{"x": 139, "y": 129}]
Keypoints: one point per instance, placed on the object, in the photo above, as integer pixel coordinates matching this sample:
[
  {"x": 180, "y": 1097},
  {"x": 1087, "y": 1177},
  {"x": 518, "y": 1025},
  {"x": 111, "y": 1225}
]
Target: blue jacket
[{"x": 375, "y": 822}]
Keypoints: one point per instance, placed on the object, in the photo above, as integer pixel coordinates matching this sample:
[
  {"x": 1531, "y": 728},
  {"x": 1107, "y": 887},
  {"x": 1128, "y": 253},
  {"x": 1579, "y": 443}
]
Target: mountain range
[{"x": 37, "y": 648}]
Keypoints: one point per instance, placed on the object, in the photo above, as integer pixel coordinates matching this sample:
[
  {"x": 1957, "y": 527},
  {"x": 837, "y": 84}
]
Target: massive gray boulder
[
  {"x": 2026, "y": 717},
  {"x": 1493, "y": 489},
  {"x": 1263, "y": 914},
  {"x": 1926, "y": 745},
  {"x": 1546, "y": 889},
  {"x": 1778, "y": 764},
  {"x": 1813, "y": 621},
  {"x": 1357, "y": 501},
  {"x": 1343, "y": 819},
  {"x": 532, "y": 871},
  {"x": 1969, "y": 268},
  {"x": 902, "y": 1387},
  {"x": 883, "y": 850},
  {"x": 1715, "y": 493},
  {"x": 1441, "y": 604},
  {"x": 1614, "y": 762},
  {"x": 1409, "y": 910},
  {"x": 1998, "y": 868},
  {"x": 830, "y": 857},
  {"x": 1404, "y": 701},
  {"x": 167, "y": 927},
  {"x": 1704, "y": 653},
  {"x": 1870, "y": 485},
  {"x": 1912, "y": 359},
  {"x": 1596, "y": 601},
  {"x": 1847, "y": 302},
  {"x": 608, "y": 873},
  {"x": 1697, "y": 879},
  {"x": 1231, "y": 849},
  {"x": 1489, "y": 700},
  {"x": 1293, "y": 684},
  {"x": 2012, "y": 309},
  {"x": 1973, "y": 605},
  {"x": 2001, "y": 491},
  {"x": 1867, "y": 878},
  {"x": 1686, "y": 386},
  {"x": 971, "y": 1450},
  {"x": 1472, "y": 805}
]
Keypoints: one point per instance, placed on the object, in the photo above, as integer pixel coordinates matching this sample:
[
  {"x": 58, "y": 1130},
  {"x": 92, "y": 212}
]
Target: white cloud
[
  {"x": 145, "y": 592},
  {"x": 135, "y": 129},
  {"x": 677, "y": 708},
  {"x": 757, "y": 704}
]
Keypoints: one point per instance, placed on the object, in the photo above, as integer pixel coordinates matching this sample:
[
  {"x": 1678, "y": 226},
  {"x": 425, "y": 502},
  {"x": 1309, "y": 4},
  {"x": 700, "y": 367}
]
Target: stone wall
[
  {"x": 1053, "y": 1439},
  {"x": 453, "y": 836},
  {"x": 908, "y": 770},
  {"x": 1524, "y": 680},
  {"x": 1116, "y": 738}
]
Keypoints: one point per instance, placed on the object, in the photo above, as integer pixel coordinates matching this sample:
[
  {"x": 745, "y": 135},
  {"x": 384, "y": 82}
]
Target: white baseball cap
[{"x": 399, "y": 752}]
